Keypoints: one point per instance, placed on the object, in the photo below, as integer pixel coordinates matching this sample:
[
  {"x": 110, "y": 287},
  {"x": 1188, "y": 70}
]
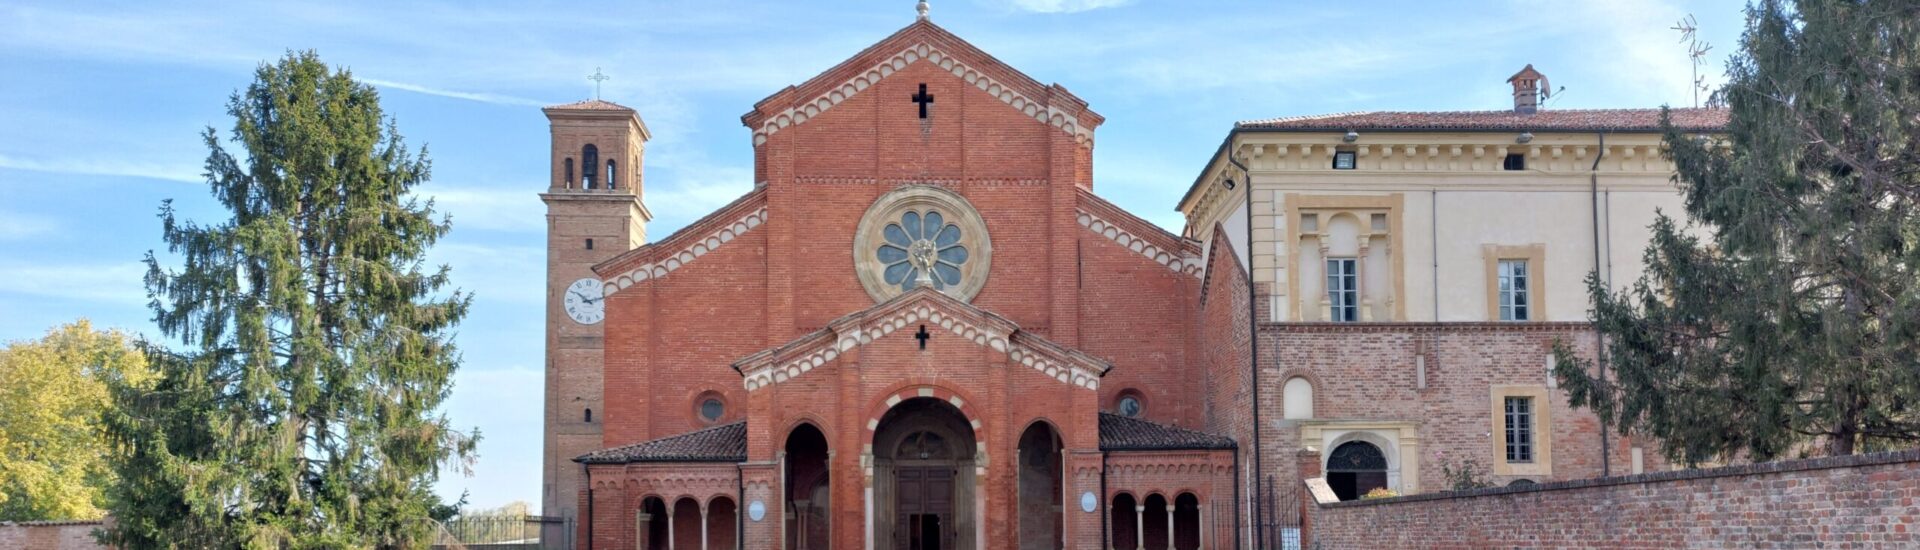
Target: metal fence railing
[
  {"x": 507, "y": 533},
  {"x": 1279, "y": 519}
]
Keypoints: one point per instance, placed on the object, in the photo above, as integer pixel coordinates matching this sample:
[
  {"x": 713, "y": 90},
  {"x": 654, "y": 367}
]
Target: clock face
[{"x": 584, "y": 302}]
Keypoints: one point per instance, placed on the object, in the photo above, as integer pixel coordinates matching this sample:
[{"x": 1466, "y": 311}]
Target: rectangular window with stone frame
[
  {"x": 1343, "y": 289},
  {"x": 1514, "y": 305},
  {"x": 1519, "y": 434}
]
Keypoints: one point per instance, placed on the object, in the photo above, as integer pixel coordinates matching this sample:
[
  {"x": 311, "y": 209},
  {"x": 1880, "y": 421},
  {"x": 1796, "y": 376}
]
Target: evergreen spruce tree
[
  {"x": 1783, "y": 318},
  {"x": 299, "y": 409}
]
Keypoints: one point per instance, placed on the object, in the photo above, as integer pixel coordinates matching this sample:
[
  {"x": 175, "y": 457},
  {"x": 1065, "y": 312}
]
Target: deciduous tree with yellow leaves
[{"x": 52, "y": 391}]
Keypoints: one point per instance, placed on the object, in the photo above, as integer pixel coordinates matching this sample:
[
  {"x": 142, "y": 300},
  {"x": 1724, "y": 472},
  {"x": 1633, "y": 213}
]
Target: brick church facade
[
  {"x": 923, "y": 329},
  {"x": 919, "y": 330}
]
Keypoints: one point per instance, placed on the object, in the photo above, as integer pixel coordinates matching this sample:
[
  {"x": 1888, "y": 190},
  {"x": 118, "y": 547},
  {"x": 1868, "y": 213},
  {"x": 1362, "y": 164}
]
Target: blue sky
[{"x": 102, "y": 104}]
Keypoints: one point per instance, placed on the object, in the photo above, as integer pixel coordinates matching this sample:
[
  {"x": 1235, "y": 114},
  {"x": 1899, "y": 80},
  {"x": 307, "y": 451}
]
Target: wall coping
[
  {"x": 1783, "y": 466},
  {"x": 1444, "y": 326},
  {"x": 52, "y": 523}
]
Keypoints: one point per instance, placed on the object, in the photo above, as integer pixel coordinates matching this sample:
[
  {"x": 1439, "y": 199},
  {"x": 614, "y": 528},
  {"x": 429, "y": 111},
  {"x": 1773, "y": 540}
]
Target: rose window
[{"x": 921, "y": 249}]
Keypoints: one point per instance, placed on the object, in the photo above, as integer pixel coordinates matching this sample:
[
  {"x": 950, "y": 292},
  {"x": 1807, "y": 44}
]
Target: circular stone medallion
[
  {"x": 1088, "y": 502},
  {"x": 756, "y": 510},
  {"x": 922, "y": 236}
]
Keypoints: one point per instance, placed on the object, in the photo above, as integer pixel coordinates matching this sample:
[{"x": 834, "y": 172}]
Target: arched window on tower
[
  {"x": 568, "y": 181},
  {"x": 589, "y": 159},
  {"x": 612, "y": 182}
]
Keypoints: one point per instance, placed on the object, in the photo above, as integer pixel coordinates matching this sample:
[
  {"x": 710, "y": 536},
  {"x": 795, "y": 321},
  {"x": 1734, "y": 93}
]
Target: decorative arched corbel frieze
[
  {"x": 1038, "y": 110},
  {"x": 687, "y": 254}
]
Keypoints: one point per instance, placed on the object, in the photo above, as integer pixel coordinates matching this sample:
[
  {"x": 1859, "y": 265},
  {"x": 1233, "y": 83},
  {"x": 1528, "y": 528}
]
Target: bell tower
[{"x": 594, "y": 212}]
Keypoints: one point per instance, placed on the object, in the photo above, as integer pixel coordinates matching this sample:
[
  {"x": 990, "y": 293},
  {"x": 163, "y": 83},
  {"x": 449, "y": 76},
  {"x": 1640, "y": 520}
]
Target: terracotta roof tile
[
  {"x": 592, "y": 105},
  {"x": 723, "y": 443},
  {"x": 1634, "y": 120},
  {"x": 1120, "y": 433}
]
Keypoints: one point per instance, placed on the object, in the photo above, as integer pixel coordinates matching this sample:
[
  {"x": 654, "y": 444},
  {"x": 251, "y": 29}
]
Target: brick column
[{"x": 1307, "y": 460}]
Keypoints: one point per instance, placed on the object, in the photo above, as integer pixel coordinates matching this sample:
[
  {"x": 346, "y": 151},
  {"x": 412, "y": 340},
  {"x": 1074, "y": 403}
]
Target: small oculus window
[
  {"x": 1343, "y": 160},
  {"x": 1129, "y": 405},
  {"x": 711, "y": 409}
]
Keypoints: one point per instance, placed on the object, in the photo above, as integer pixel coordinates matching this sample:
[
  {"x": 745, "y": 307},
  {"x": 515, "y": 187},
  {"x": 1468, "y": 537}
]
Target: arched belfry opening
[
  {"x": 808, "y": 494},
  {"x": 589, "y": 161},
  {"x": 924, "y": 456},
  {"x": 1041, "y": 491}
]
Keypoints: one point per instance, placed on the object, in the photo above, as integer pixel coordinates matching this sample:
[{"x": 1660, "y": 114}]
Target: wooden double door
[{"x": 923, "y": 508}]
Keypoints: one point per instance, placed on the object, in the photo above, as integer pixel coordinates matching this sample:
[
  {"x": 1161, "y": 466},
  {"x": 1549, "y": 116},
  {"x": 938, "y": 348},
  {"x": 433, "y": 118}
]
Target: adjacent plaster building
[{"x": 1413, "y": 270}]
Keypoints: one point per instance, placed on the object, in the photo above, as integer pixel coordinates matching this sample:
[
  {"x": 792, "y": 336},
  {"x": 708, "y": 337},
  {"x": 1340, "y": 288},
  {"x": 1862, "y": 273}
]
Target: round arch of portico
[{"x": 914, "y": 389}]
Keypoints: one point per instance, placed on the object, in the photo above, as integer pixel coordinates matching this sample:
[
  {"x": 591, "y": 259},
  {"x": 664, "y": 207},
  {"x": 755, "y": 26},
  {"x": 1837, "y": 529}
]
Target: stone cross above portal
[{"x": 923, "y": 99}]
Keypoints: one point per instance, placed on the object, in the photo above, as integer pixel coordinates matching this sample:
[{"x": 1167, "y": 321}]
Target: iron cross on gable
[{"x": 923, "y": 98}]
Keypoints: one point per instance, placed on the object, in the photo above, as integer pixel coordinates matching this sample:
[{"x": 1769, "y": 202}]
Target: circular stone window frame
[
  {"x": 954, "y": 208},
  {"x": 700, "y": 401}
]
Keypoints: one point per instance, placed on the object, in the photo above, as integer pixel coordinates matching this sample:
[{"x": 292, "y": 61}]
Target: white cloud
[
  {"x": 113, "y": 283},
  {"x": 482, "y": 97},
  {"x": 1063, "y": 6},
  {"x": 488, "y": 208},
  {"x": 17, "y": 226},
  {"x": 106, "y": 166},
  {"x": 495, "y": 273}
]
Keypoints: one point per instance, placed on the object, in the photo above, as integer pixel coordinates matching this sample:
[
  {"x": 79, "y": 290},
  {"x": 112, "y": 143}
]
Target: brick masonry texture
[
  {"x": 1861, "y": 501},
  {"x": 50, "y": 535},
  {"x": 1369, "y": 372}
]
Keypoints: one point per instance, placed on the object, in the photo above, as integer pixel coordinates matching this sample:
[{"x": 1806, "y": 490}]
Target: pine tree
[
  {"x": 315, "y": 347},
  {"x": 1783, "y": 318}
]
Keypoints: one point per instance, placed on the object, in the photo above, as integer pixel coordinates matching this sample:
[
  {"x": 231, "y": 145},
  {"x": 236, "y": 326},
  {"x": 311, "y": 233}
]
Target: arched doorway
[
  {"x": 655, "y": 535},
  {"x": 723, "y": 522},
  {"x": 1040, "y": 489},
  {"x": 808, "y": 494},
  {"x": 1156, "y": 525},
  {"x": 924, "y": 457},
  {"x": 1124, "y": 524},
  {"x": 1186, "y": 522},
  {"x": 1356, "y": 467}
]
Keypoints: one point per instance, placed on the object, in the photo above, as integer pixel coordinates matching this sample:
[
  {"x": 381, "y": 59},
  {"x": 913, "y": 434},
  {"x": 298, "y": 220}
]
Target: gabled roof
[
  {"x": 723, "y": 443},
  {"x": 922, "y": 41},
  {"x": 1570, "y": 120},
  {"x": 1120, "y": 433},
  {"x": 589, "y": 105},
  {"x": 916, "y": 307}
]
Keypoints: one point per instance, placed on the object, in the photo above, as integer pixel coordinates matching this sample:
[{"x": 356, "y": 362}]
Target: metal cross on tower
[{"x": 597, "y": 77}]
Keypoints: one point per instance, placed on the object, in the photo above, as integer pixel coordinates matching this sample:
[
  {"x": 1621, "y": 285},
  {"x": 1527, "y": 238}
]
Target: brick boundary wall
[
  {"x": 1858, "y": 501},
  {"x": 50, "y": 535}
]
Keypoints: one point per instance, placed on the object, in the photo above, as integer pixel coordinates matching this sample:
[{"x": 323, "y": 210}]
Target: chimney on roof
[{"x": 1529, "y": 87}]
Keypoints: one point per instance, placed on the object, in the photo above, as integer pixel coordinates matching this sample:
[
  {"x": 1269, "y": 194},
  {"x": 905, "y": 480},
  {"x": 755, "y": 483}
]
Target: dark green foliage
[
  {"x": 1784, "y": 318},
  {"x": 299, "y": 409}
]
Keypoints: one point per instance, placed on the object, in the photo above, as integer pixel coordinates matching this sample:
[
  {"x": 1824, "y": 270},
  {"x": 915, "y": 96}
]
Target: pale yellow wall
[{"x": 1478, "y": 205}]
